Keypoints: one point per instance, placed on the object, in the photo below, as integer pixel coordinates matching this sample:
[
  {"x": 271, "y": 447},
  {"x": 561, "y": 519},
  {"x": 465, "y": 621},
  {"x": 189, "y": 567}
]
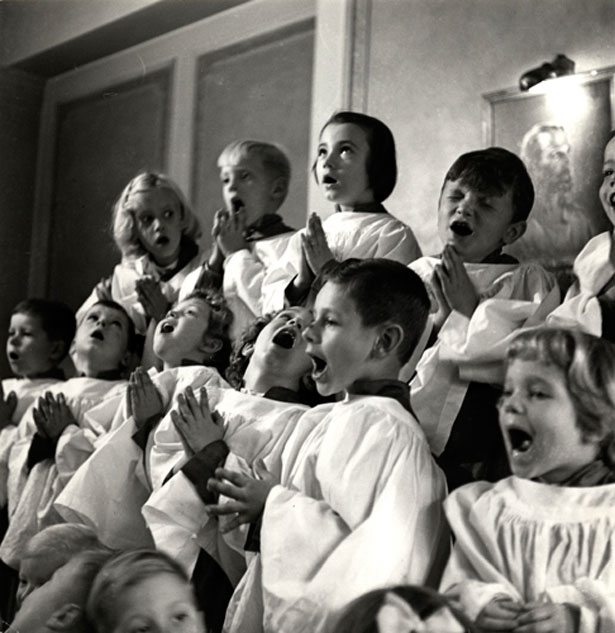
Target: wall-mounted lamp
[{"x": 559, "y": 67}]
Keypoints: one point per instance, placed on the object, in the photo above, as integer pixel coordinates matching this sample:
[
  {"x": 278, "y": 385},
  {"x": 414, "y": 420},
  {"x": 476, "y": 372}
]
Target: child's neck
[
  {"x": 88, "y": 368},
  {"x": 190, "y": 360},
  {"x": 358, "y": 207},
  {"x": 260, "y": 379},
  {"x": 386, "y": 370}
]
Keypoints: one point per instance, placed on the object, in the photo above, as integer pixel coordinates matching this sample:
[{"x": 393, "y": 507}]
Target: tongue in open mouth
[
  {"x": 520, "y": 440},
  {"x": 461, "y": 228},
  {"x": 285, "y": 338},
  {"x": 318, "y": 366}
]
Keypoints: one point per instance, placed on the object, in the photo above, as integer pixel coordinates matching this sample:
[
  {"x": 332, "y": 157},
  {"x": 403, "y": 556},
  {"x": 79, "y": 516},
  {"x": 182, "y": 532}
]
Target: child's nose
[{"x": 309, "y": 333}]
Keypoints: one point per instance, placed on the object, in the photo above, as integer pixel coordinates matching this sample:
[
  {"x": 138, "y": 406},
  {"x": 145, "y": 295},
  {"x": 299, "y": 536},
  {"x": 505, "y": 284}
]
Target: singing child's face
[
  {"x": 158, "y": 220},
  {"x": 35, "y": 571},
  {"x": 28, "y": 348},
  {"x": 248, "y": 188},
  {"x": 159, "y": 604},
  {"x": 476, "y": 224},
  {"x": 282, "y": 338},
  {"x": 607, "y": 188},
  {"x": 341, "y": 165},
  {"x": 181, "y": 334},
  {"x": 539, "y": 424},
  {"x": 339, "y": 344},
  {"x": 102, "y": 339}
]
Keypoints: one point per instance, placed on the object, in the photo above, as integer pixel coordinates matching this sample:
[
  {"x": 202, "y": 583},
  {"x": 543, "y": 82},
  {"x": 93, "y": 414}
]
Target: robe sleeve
[
  {"x": 243, "y": 279},
  {"x": 471, "y": 577},
  {"x": 378, "y": 523}
]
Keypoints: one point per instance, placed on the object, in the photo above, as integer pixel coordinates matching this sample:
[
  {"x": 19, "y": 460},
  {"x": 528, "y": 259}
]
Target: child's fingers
[
  {"x": 184, "y": 408},
  {"x": 261, "y": 471},
  {"x": 488, "y": 623},
  {"x": 204, "y": 404},
  {"x": 39, "y": 422},
  {"x": 224, "y": 509},
  {"x": 235, "y": 522},
  {"x": 537, "y": 614},
  {"x": 11, "y": 401},
  {"x": 230, "y": 475},
  {"x": 226, "y": 489},
  {"x": 191, "y": 400}
]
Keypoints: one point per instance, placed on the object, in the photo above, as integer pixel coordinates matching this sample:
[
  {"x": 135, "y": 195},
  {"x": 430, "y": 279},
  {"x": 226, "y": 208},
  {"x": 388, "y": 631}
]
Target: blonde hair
[
  {"x": 272, "y": 157},
  {"x": 123, "y": 220},
  {"x": 588, "y": 363}
]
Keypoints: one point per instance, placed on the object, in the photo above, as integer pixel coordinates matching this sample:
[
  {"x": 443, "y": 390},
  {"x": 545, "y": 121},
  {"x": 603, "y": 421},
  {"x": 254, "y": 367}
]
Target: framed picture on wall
[{"x": 559, "y": 129}]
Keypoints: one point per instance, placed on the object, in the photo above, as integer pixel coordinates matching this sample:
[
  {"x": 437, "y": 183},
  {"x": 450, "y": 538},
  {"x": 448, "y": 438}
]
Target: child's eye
[
  {"x": 93, "y": 316},
  {"x": 169, "y": 213},
  {"x": 538, "y": 394},
  {"x": 145, "y": 220},
  {"x": 607, "y": 173},
  {"x": 346, "y": 149},
  {"x": 322, "y": 151}
]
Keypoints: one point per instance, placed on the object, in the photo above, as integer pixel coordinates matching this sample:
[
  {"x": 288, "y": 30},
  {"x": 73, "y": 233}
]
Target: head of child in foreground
[
  {"x": 368, "y": 317},
  {"x": 150, "y": 218},
  {"x": 355, "y": 161},
  {"x": 195, "y": 331},
  {"x": 105, "y": 340},
  {"x": 59, "y": 604},
  {"x": 255, "y": 177},
  {"x": 485, "y": 201},
  {"x": 39, "y": 336},
  {"x": 49, "y": 550},
  {"x": 144, "y": 590},
  {"x": 607, "y": 187},
  {"x": 558, "y": 404},
  {"x": 402, "y": 609},
  {"x": 273, "y": 344}
]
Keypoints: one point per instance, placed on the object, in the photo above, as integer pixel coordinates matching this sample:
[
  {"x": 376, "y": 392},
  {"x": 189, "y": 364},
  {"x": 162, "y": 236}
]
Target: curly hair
[
  {"x": 588, "y": 363},
  {"x": 123, "y": 220},
  {"x": 240, "y": 356}
]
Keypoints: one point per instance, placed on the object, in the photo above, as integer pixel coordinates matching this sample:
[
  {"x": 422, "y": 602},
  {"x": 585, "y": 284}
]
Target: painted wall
[
  {"x": 20, "y": 102},
  {"x": 431, "y": 60}
]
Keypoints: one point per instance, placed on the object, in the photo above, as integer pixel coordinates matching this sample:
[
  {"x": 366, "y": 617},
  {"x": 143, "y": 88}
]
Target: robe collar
[
  {"x": 396, "y": 389},
  {"x": 364, "y": 207},
  {"x": 268, "y": 225}
]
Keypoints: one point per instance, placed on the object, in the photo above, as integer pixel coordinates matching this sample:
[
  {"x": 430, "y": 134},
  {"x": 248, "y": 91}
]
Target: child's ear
[
  {"x": 388, "y": 340},
  {"x": 279, "y": 187},
  {"x": 210, "y": 345},
  {"x": 514, "y": 231},
  {"x": 65, "y": 617},
  {"x": 56, "y": 353}
]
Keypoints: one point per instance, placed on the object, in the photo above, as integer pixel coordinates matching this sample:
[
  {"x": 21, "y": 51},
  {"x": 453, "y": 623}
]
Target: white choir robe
[
  {"x": 593, "y": 269},
  {"x": 359, "y": 507},
  {"x": 31, "y": 494},
  {"x": 349, "y": 234},
  {"x": 511, "y": 296},
  {"x": 242, "y": 281},
  {"x": 123, "y": 286},
  {"x": 534, "y": 542},
  {"x": 108, "y": 491},
  {"x": 28, "y": 391},
  {"x": 254, "y": 428}
]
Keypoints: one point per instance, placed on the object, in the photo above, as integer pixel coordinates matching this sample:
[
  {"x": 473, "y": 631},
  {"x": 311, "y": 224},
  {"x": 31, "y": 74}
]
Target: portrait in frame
[{"x": 559, "y": 129}]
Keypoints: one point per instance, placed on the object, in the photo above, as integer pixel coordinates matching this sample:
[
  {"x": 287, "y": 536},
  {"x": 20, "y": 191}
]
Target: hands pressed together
[
  {"x": 452, "y": 287},
  {"x": 7, "y": 408},
  {"x": 504, "y": 614},
  {"x": 151, "y": 297},
  {"x": 52, "y": 416},
  {"x": 143, "y": 399}
]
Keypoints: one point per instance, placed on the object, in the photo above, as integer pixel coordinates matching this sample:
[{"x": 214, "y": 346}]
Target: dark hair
[
  {"x": 360, "y": 616},
  {"x": 381, "y": 164},
  {"x": 57, "y": 319},
  {"x": 383, "y": 291},
  {"x": 121, "y": 572},
  {"x": 220, "y": 319},
  {"x": 132, "y": 344},
  {"x": 588, "y": 364},
  {"x": 611, "y": 136},
  {"x": 240, "y": 359},
  {"x": 493, "y": 171}
]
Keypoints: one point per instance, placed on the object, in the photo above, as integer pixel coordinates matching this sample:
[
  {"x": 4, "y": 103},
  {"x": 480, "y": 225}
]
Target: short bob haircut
[
  {"x": 133, "y": 343},
  {"x": 119, "y": 574},
  {"x": 273, "y": 158},
  {"x": 383, "y": 291},
  {"x": 588, "y": 364},
  {"x": 56, "y": 319},
  {"x": 493, "y": 171},
  {"x": 381, "y": 164},
  {"x": 123, "y": 221},
  {"x": 361, "y": 615}
]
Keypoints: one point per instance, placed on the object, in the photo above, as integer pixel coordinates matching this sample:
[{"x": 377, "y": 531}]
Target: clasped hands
[{"x": 52, "y": 416}]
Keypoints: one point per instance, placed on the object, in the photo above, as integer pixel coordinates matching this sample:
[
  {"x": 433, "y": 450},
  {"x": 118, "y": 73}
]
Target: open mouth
[
  {"x": 612, "y": 199},
  {"x": 237, "y": 205},
  {"x": 520, "y": 440},
  {"x": 97, "y": 334},
  {"x": 13, "y": 356},
  {"x": 461, "y": 228},
  {"x": 285, "y": 338},
  {"x": 167, "y": 328},
  {"x": 319, "y": 365},
  {"x": 329, "y": 180},
  {"x": 163, "y": 240}
]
